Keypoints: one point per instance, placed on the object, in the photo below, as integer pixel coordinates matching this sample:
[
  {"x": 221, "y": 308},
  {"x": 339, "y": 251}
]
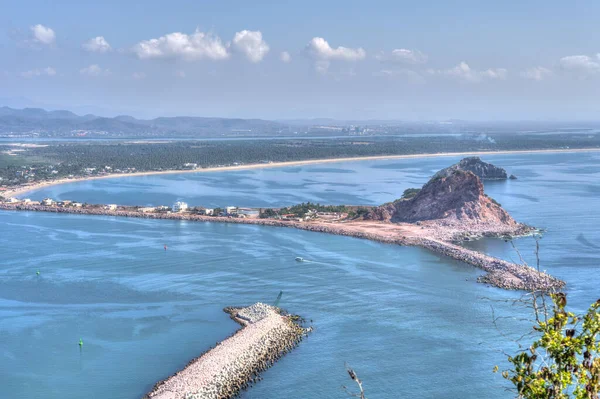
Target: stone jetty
[
  {"x": 235, "y": 363},
  {"x": 435, "y": 237}
]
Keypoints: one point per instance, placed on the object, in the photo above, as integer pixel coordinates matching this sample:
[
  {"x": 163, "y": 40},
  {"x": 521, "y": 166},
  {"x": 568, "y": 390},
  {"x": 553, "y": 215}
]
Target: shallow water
[{"x": 412, "y": 324}]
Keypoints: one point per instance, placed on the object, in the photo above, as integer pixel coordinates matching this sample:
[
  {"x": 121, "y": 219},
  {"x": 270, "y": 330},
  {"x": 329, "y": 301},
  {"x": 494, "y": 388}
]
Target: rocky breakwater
[
  {"x": 235, "y": 363},
  {"x": 501, "y": 273},
  {"x": 453, "y": 207}
]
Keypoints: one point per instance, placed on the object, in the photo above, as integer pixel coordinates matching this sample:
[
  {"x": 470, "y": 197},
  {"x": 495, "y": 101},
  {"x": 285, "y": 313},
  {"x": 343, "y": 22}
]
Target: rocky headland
[
  {"x": 483, "y": 170},
  {"x": 456, "y": 199},
  {"x": 234, "y": 364}
]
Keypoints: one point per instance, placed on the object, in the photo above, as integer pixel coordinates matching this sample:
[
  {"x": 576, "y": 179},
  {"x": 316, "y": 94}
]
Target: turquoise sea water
[{"x": 412, "y": 324}]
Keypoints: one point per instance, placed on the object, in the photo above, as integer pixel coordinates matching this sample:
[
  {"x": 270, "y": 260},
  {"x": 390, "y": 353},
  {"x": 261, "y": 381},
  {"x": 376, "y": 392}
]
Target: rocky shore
[
  {"x": 431, "y": 235},
  {"x": 235, "y": 363}
]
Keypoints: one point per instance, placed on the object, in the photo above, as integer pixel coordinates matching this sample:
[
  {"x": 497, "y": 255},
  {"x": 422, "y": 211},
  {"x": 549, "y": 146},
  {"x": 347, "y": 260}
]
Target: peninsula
[{"x": 447, "y": 210}]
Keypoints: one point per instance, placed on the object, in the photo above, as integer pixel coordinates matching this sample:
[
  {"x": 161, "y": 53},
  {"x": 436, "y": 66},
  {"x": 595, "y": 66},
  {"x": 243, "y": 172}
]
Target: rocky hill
[
  {"x": 483, "y": 170},
  {"x": 454, "y": 200}
]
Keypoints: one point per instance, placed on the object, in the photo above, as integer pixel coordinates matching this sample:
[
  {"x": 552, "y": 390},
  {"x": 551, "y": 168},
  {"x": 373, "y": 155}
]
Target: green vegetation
[
  {"x": 61, "y": 159},
  {"x": 358, "y": 213},
  {"x": 565, "y": 361},
  {"x": 493, "y": 200},
  {"x": 410, "y": 193},
  {"x": 301, "y": 210}
]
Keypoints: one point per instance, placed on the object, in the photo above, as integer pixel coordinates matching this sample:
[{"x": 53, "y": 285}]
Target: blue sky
[{"x": 288, "y": 59}]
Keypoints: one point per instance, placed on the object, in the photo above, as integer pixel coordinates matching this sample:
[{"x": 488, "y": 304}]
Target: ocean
[{"x": 412, "y": 324}]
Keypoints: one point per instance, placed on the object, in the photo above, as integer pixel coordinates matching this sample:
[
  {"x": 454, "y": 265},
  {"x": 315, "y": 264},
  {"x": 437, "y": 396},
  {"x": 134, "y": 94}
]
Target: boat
[{"x": 299, "y": 259}]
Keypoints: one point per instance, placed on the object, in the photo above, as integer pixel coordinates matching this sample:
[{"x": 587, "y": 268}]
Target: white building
[
  {"x": 47, "y": 201},
  {"x": 13, "y": 200},
  {"x": 76, "y": 204},
  {"x": 231, "y": 210},
  {"x": 27, "y": 201},
  {"x": 111, "y": 207},
  {"x": 209, "y": 211},
  {"x": 180, "y": 206}
]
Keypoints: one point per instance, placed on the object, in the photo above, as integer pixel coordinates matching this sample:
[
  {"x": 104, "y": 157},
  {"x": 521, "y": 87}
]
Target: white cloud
[
  {"x": 285, "y": 57},
  {"x": 494, "y": 73},
  {"x": 49, "y": 71},
  {"x": 42, "y": 34},
  {"x": 403, "y": 56},
  {"x": 464, "y": 72},
  {"x": 321, "y": 50},
  {"x": 139, "y": 75},
  {"x": 581, "y": 64},
  {"x": 94, "y": 70},
  {"x": 97, "y": 45},
  {"x": 251, "y": 44},
  {"x": 537, "y": 73},
  {"x": 198, "y": 45}
]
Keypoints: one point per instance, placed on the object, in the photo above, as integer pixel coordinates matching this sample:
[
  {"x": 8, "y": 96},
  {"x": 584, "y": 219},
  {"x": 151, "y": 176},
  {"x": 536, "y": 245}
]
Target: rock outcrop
[
  {"x": 456, "y": 199},
  {"x": 483, "y": 170}
]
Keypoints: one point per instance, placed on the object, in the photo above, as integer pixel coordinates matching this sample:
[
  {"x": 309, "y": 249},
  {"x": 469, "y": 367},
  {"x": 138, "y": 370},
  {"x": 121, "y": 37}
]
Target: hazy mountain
[{"x": 65, "y": 123}]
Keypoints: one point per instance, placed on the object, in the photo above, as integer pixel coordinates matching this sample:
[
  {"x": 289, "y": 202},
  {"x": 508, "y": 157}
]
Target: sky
[{"x": 280, "y": 59}]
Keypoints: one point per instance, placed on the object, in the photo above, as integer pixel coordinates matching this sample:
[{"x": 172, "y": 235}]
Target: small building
[
  {"x": 111, "y": 207},
  {"x": 76, "y": 204},
  {"x": 209, "y": 211},
  {"x": 231, "y": 210},
  {"x": 48, "y": 201},
  {"x": 13, "y": 200},
  {"x": 248, "y": 212},
  {"x": 180, "y": 206},
  {"x": 147, "y": 209},
  {"x": 27, "y": 201}
]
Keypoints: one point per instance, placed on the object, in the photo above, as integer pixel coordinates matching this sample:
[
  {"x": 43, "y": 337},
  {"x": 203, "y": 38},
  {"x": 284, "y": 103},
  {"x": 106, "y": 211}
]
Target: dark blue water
[{"x": 411, "y": 323}]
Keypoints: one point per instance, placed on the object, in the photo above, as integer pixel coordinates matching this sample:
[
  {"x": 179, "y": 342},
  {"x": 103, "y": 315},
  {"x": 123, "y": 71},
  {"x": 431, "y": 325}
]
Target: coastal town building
[
  {"x": 209, "y": 211},
  {"x": 247, "y": 212},
  {"x": 180, "y": 206},
  {"x": 48, "y": 201},
  {"x": 111, "y": 207},
  {"x": 76, "y": 204},
  {"x": 231, "y": 210},
  {"x": 147, "y": 209}
]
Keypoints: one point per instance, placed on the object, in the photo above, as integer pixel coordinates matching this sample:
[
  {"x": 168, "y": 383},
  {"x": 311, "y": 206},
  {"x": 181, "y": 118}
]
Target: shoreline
[
  {"x": 436, "y": 239},
  {"x": 21, "y": 190}
]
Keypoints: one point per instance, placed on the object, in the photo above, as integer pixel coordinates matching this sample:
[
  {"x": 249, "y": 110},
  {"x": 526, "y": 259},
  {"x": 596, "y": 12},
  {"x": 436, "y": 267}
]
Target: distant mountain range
[{"x": 37, "y": 121}]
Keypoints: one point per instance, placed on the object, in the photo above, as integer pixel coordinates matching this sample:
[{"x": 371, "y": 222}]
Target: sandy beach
[{"x": 21, "y": 190}]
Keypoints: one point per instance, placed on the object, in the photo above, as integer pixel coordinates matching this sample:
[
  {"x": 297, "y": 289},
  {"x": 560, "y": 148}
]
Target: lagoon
[{"x": 412, "y": 324}]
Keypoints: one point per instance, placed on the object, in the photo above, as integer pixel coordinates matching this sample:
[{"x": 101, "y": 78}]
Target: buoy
[
  {"x": 80, "y": 342},
  {"x": 37, "y": 273}
]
